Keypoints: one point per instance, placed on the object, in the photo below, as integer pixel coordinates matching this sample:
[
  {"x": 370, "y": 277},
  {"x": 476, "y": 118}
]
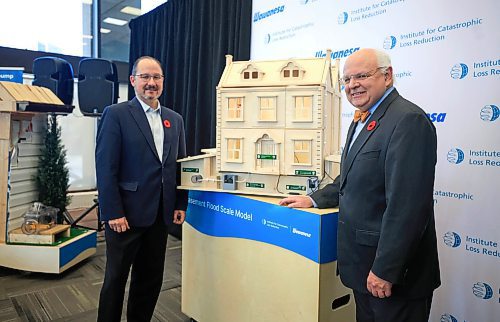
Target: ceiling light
[
  {"x": 87, "y": 1},
  {"x": 115, "y": 21},
  {"x": 131, "y": 11},
  {"x": 105, "y": 31}
]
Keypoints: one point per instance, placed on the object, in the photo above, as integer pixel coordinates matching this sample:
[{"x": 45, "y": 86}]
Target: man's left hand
[
  {"x": 377, "y": 286},
  {"x": 179, "y": 216}
]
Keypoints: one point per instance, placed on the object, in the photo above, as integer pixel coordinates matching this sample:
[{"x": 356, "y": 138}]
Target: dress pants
[
  {"x": 143, "y": 249},
  {"x": 391, "y": 309}
]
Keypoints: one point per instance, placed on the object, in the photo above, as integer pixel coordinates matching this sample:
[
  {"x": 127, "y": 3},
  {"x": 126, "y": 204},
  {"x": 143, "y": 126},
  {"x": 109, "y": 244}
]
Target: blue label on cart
[
  {"x": 226, "y": 215},
  {"x": 11, "y": 74}
]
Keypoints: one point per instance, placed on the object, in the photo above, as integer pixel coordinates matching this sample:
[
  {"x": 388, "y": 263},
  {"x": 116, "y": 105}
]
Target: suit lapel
[
  {"x": 167, "y": 132},
  {"x": 143, "y": 124},
  {"x": 364, "y": 135},
  {"x": 350, "y": 134}
]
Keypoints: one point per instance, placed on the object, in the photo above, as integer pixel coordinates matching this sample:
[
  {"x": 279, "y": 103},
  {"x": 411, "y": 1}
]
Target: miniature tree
[{"x": 52, "y": 177}]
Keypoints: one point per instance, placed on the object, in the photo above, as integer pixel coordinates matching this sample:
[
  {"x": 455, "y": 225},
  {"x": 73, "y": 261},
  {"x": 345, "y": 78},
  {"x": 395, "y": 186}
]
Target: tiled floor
[{"x": 73, "y": 295}]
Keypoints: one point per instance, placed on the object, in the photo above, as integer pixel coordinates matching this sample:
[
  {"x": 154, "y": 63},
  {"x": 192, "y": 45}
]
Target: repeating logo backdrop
[{"x": 446, "y": 58}]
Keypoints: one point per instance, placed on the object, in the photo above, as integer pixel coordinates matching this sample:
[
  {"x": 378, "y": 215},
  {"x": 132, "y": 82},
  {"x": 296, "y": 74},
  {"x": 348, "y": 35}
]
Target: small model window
[
  {"x": 234, "y": 150},
  {"x": 291, "y": 70},
  {"x": 267, "y": 108},
  {"x": 302, "y": 152},
  {"x": 235, "y": 109},
  {"x": 251, "y": 73},
  {"x": 303, "y": 108}
]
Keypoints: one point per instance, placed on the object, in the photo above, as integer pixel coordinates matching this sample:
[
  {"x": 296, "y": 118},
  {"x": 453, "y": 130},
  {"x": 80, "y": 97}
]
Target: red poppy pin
[
  {"x": 166, "y": 123},
  {"x": 371, "y": 125}
]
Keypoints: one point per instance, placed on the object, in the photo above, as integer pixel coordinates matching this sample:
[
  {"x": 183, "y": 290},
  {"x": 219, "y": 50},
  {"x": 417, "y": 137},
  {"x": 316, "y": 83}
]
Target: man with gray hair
[{"x": 387, "y": 248}]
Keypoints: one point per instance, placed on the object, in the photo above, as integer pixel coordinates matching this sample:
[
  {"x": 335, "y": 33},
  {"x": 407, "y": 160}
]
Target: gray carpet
[{"x": 73, "y": 295}]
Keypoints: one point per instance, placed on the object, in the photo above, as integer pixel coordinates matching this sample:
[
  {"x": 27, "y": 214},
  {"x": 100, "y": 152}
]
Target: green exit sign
[
  {"x": 305, "y": 173},
  {"x": 266, "y": 156},
  {"x": 255, "y": 185},
  {"x": 295, "y": 187},
  {"x": 190, "y": 170}
]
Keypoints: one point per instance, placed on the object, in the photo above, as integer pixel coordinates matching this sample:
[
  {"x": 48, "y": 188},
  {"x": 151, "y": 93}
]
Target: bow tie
[{"x": 359, "y": 115}]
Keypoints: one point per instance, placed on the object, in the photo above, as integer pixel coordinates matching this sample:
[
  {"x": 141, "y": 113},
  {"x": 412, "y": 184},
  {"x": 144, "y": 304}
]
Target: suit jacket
[
  {"x": 130, "y": 175},
  {"x": 385, "y": 195}
]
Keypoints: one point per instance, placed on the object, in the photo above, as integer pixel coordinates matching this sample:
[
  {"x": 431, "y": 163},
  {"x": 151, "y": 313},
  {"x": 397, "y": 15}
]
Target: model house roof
[{"x": 294, "y": 71}]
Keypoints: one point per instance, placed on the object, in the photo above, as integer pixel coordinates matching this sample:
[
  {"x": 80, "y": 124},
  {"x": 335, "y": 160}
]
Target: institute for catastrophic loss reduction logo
[
  {"x": 389, "y": 42},
  {"x": 489, "y": 113},
  {"x": 342, "y": 18},
  {"x": 448, "y": 318},
  {"x": 455, "y": 156},
  {"x": 452, "y": 239},
  {"x": 459, "y": 71},
  {"x": 482, "y": 291}
]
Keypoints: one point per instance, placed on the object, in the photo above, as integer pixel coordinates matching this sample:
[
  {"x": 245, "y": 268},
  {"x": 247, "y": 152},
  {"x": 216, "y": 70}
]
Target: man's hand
[
  {"x": 119, "y": 225},
  {"x": 377, "y": 286},
  {"x": 179, "y": 216},
  {"x": 296, "y": 202}
]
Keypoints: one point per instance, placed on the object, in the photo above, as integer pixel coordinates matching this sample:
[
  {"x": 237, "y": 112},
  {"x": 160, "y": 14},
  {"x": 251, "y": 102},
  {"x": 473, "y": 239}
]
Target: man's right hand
[
  {"x": 119, "y": 225},
  {"x": 297, "y": 202}
]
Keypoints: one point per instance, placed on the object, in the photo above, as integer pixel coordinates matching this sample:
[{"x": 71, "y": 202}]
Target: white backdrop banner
[{"x": 446, "y": 59}]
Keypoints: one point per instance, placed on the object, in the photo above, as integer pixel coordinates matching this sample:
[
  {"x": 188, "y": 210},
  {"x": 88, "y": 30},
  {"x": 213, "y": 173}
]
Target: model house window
[
  {"x": 291, "y": 70},
  {"x": 267, "y": 109},
  {"x": 234, "y": 150},
  {"x": 250, "y": 72},
  {"x": 235, "y": 108},
  {"x": 302, "y": 152},
  {"x": 303, "y": 108}
]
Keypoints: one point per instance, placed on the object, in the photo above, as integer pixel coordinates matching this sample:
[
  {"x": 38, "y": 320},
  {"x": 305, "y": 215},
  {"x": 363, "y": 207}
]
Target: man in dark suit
[
  {"x": 387, "y": 248},
  {"x": 138, "y": 144}
]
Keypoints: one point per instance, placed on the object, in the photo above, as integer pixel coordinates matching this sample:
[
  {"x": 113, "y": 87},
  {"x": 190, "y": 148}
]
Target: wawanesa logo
[
  {"x": 259, "y": 16},
  {"x": 452, "y": 239},
  {"x": 459, "y": 71},
  {"x": 389, "y": 42},
  {"x": 448, "y": 318},
  {"x": 300, "y": 232},
  {"x": 489, "y": 113},
  {"x": 342, "y": 18},
  {"x": 436, "y": 117},
  {"x": 455, "y": 156},
  {"x": 336, "y": 54},
  {"x": 482, "y": 291}
]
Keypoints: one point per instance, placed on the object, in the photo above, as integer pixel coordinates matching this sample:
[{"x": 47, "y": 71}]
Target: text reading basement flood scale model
[{"x": 278, "y": 129}]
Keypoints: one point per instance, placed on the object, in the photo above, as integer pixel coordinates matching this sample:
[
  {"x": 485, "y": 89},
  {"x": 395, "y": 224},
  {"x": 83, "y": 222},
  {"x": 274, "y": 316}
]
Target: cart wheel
[{"x": 29, "y": 227}]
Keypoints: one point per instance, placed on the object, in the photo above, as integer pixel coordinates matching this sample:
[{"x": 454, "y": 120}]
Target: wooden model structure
[
  {"x": 278, "y": 129},
  {"x": 23, "y": 108}
]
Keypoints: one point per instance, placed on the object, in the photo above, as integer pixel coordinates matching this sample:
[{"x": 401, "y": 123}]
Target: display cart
[{"x": 20, "y": 105}]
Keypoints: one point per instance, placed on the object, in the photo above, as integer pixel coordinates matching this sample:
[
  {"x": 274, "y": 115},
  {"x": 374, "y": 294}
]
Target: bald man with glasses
[
  {"x": 387, "y": 247},
  {"x": 138, "y": 144}
]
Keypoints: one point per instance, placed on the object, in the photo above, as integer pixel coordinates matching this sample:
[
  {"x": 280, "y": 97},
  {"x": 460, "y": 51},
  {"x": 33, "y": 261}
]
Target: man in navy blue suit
[
  {"x": 138, "y": 144},
  {"x": 387, "y": 248}
]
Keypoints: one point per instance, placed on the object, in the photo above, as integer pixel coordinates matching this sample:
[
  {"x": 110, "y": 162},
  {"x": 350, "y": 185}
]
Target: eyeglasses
[
  {"x": 358, "y": 77},
  {"x": 147, "y": 77}
]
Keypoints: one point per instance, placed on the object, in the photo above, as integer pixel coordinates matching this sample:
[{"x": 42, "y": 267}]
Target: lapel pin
[
  {"x": 166, "y": 123},
  {"x": 371, "y": 125}
]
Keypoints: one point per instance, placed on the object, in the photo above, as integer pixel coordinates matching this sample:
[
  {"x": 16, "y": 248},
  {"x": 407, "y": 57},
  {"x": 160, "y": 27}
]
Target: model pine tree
[{"x": 53, "y": 176}]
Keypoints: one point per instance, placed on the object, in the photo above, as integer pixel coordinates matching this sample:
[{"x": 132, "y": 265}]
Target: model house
[{"x": 278, "y": 129}]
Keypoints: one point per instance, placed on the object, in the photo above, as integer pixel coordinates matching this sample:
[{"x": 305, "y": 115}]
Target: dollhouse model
[{"x": 278, "y": 129}]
